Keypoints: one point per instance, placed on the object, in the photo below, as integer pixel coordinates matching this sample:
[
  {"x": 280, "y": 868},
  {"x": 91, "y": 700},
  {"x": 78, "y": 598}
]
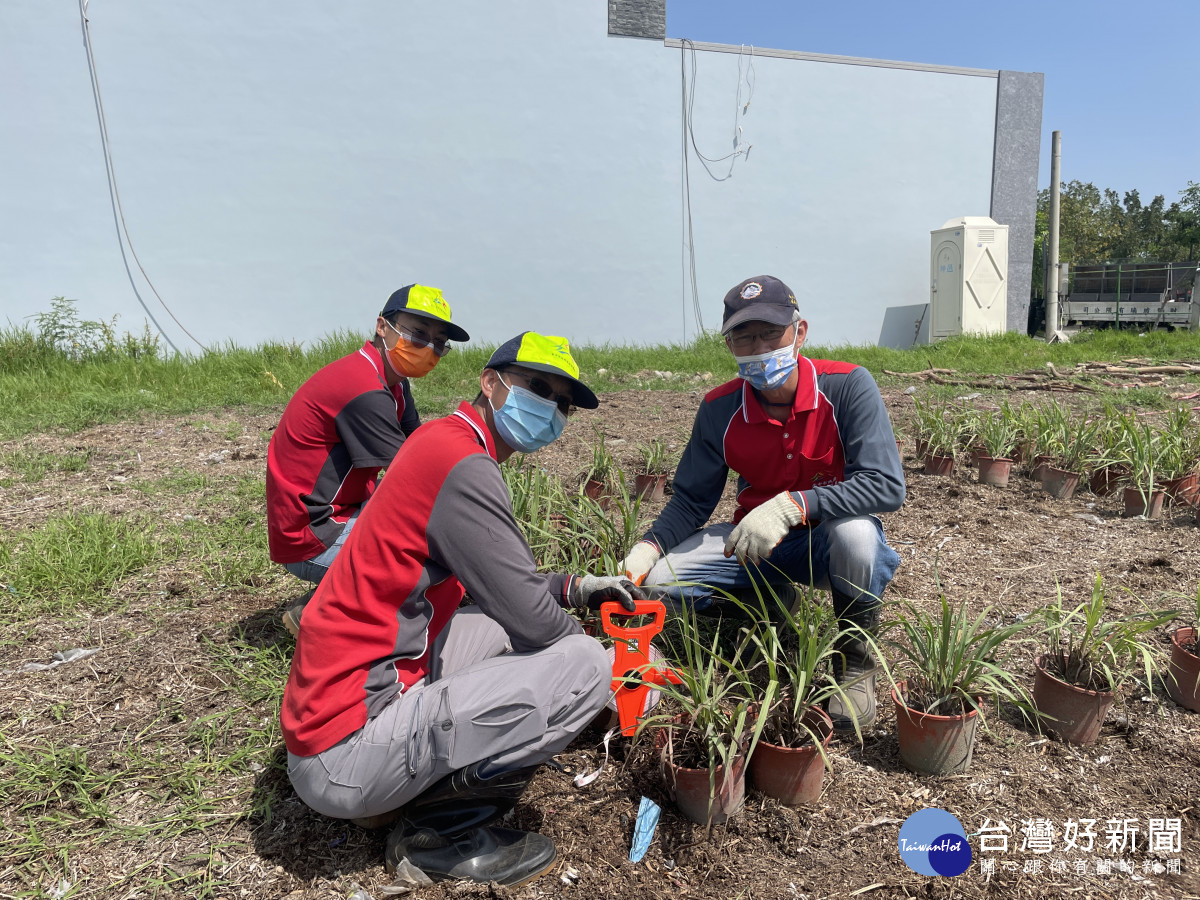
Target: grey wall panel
[
  {"x": 638, "y": 18},
  {"x": 282, "y": 174},
  {"x": 1015, "y": 181}
]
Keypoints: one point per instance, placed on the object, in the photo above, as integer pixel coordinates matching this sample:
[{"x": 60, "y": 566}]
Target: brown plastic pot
[
  {"x": 1183, "y": 673},
  {"x": 793, "y": 775},
  {"x": 938, "y": 465},
  {"x": 1037, "y": 468},
  {"x": 701, "y": 800},
  {"x": 598, "y": 491},
  {"x": 933, "y": 744},
  {"x": 650, "y": 487},
  {"x": 1075, "y": 714},
  {"x": 1059, "y": 483},
  {"x": 1105, "y": 480},
  {"x": 1135, "y": 504},
  {"x": 1183, "y": 489},
  {"x": 994, "y": 470}
]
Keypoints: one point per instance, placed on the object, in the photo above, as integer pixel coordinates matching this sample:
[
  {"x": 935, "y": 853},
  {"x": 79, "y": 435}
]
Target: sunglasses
[
  {"x": 419, "y": 338},
  {"x": 564, "y": 402}
]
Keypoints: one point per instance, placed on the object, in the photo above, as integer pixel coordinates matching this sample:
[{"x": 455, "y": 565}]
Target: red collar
[
  {"x": 806, "y": 395},
  {"x": 471, "y": 416}
]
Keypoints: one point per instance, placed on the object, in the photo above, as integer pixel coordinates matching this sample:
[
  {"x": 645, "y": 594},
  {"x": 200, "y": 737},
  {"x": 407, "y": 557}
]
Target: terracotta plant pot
[
  {"x": 793, "y": 775},
  {"x": 1183, "y": 674},
  {"x": 933, "y": 744},
  {"x": 922, "y": 448},
  {"x": 1106, "y": 480},
  {"x": 938, "y": 465},
  {"x": 1135, "y": 504},
  {"x": 994, "y": 470},
  {"x": 1038, "y": 467},
  {"x": 1183, "y": 489},
  {"x": 1074, "y": 713},
  {"x": 694, "y": 795},
  {"x": 598, "y": 491},
  {"x": 650, "y": 487},
  {"x": 978, "y": 453},
  {"x": 1059, "y": 483}
]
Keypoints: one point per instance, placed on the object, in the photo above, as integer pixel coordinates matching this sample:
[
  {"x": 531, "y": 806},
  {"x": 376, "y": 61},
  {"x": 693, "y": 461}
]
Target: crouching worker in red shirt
[{"x": 402, "y": 703}]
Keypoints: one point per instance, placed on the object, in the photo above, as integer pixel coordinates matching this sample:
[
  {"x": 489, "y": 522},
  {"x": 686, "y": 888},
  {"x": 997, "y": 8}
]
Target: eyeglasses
[
  {"x": 564, "y": 402},
  {"x": 745, "y": 340},
  {"x": 421, "y": 338}
]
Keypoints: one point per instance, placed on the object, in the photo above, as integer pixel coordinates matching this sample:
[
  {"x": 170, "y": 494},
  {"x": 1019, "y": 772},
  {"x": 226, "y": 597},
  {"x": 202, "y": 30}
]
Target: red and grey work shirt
[
  {"x": 835, "y": 449},
  {"x": 337, "y": 432},
  {"x": 439, "y": 524}
]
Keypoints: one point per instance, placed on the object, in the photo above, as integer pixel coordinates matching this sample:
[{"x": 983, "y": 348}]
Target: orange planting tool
[{"x": 634, "y": 673}]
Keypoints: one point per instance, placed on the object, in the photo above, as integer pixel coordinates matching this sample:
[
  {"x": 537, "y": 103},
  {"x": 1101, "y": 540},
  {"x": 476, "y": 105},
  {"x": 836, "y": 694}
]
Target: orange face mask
[{"x": 410, "y": 361}]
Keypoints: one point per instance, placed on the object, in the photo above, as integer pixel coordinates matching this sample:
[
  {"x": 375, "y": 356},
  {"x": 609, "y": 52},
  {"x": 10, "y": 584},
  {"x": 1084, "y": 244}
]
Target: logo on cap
[{"x": 752, "y": 290}]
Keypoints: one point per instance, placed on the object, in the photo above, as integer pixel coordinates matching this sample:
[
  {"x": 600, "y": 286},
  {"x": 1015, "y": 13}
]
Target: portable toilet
[{"x": 968, "y": 277}]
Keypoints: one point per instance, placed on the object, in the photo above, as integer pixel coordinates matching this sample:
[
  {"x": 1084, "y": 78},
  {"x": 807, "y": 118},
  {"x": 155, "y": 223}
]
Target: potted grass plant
[
  {"x": 796, "y": 645},
  {"x": 601, "y": 472},
  {"x": 709, "y": 723},
  {"x": 1074, "y": 442},
  {"x": 948, "y": 662},
  {"x": 938, "y": 430},
  {"x": 1179, "y": 460},
  {"x": 1043, "y": 432},
  {"x": 1107, "y": 471},
  {"x": 1183, "y": 673},
  {"x": 650, "y": 482},
  {"x": 997, "y": 437},
  {"x": 1139, "y": 451},
  {"x": 1088, "y": 654}
]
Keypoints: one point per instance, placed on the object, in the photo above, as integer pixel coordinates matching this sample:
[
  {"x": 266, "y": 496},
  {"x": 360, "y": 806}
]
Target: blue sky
[{"x": 1122, "y": 80}]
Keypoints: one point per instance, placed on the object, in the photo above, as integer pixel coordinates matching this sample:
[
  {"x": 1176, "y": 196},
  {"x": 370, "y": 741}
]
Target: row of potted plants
[
  {"x": 1153, "y": 461},
  {"x": 753, "y": 701},
  {"x": 603, "y": 474}
]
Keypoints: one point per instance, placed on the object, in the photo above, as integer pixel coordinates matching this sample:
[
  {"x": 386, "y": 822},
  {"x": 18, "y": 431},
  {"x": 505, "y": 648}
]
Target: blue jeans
[
  {"x": 313, "y": 570},
  {"x": 849, "y": 557}
]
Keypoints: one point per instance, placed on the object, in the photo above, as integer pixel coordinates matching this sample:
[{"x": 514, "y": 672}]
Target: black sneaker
[{"x": 503, "y": 855}]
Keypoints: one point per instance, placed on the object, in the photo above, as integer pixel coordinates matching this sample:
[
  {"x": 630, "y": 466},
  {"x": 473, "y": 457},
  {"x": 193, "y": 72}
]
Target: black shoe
[{"x": 503, "y": 855}]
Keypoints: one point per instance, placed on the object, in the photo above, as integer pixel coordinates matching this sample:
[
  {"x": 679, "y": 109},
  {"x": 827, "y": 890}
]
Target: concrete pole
[{"x": 1052, "y": 253}]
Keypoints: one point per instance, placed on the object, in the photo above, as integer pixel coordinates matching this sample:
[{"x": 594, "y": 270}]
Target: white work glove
[
  {"x": 640, "y": 561},
  {"x": 763, "y": 528},
  {"x": 594, "y": 590}
]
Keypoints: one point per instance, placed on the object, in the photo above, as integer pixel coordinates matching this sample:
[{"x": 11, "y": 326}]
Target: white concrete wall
[{"x": 285, "y": 167}]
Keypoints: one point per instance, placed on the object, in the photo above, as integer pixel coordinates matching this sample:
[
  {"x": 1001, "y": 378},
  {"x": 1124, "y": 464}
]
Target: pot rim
[
  {"x": 810, "y": 747},
  {"x": 1182, "y": 634},
  {"x": 903, "y": 704},
  {"x": 1037, "y": 664}
]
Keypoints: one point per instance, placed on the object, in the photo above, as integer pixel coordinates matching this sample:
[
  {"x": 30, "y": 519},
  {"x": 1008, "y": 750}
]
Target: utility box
[{"x": 968, "y": 278}]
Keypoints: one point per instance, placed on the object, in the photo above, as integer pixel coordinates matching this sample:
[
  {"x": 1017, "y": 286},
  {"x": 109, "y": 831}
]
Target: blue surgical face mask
[
  {"x": 525, "y": 421},
  {"x": 765, "y": 371}
]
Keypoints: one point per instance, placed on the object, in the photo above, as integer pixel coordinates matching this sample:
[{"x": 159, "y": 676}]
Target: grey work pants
[{"x": 481, "y": 702}]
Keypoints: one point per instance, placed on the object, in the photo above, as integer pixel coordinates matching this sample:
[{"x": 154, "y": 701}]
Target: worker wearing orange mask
[{"x": 342, "y": 426}]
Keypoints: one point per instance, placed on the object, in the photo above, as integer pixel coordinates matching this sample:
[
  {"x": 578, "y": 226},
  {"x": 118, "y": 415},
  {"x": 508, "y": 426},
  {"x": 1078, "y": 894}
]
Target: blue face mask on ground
[
  {"x": 525, "y": 421},
  {"x": 765, "y": 371}
]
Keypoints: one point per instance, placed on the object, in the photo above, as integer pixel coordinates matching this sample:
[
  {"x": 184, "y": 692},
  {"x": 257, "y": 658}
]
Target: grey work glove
[
  {"x": 594, "y": 590},
  {"x": 640, "y": 561},
  {"x": 763, "y": 528}
]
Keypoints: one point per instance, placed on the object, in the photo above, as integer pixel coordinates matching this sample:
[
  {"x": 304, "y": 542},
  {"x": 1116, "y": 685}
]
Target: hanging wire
[{"x": 115, "y": 195}]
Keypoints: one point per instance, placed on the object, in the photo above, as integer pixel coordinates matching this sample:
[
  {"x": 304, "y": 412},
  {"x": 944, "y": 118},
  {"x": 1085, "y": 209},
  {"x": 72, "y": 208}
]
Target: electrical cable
[
  {"x": 115, "y": 195},
  {"x": 689, "y": 246},
  {"x": 686, "y": 46}
]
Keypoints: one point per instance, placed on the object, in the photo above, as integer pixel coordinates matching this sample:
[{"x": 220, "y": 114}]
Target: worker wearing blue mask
[
  {"x": 403, "y": 703},
  {"x": 816, "y": 457}
]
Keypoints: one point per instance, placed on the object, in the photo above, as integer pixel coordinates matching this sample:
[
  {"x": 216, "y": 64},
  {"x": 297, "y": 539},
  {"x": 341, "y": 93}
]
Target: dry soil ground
[{"x": 154, "y": 683}]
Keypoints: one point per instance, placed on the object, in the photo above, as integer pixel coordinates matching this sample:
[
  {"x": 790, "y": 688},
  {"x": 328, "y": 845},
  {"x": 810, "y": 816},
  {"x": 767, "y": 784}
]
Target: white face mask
[{"x": 765, "y": 371}]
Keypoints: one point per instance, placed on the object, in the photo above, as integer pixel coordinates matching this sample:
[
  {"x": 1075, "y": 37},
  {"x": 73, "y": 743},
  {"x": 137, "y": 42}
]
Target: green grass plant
[
  {"x": 30, "y": 466},
  {"x": 72, "y": 562},
  {"x": 1087, "y": 646},
  {"x": 951, "y": 658}
]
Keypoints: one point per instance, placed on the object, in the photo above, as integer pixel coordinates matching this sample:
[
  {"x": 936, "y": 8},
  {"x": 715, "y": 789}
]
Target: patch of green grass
[
  {"x": 72, "y": 561},
  {"x": 31, "y": 466},
  {"x": 179, "y": 482},
  {"x": 49, "y": 390}
]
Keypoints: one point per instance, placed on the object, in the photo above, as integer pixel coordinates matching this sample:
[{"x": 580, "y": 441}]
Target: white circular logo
[{"x": 752, "y": 290}]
